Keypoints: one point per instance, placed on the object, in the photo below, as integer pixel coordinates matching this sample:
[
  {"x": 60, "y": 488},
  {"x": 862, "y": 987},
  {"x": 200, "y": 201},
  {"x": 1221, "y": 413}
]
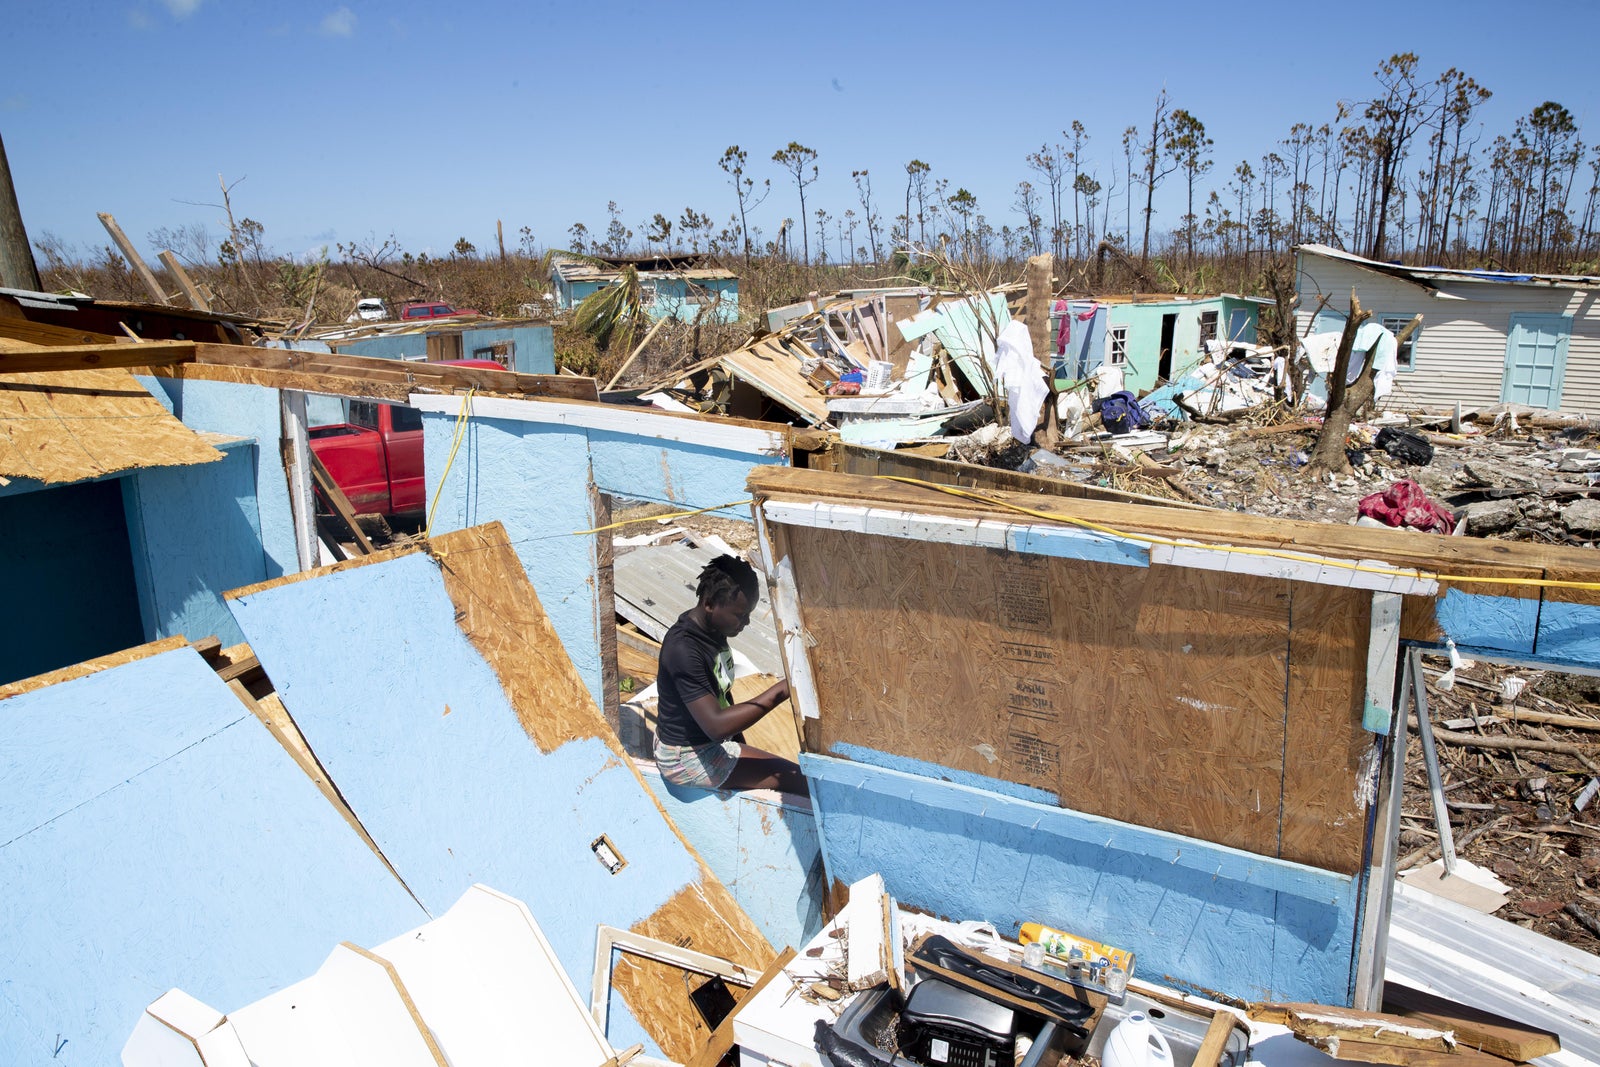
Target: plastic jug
[{"x": 1135, "y": 1042}]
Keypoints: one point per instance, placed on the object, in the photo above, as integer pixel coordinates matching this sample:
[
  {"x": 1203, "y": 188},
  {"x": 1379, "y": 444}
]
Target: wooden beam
[
  {"x": 140, "y": 267},
  {"x": 339, "y": 502},
  {"x": 196, "y": 299},
  {"x": 42, "y": 333},
  {"x": 1474, "y": 1028},
  {"x": 423, "y": 376},
  {"x": 1215, "y": 1039},
  {"x": 96, "y": 357}
]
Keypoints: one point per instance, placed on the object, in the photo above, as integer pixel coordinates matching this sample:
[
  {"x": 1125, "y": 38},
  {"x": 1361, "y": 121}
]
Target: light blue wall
[
  {"x": 254, "y": 412},
  {"x": 535, "y": 479},
  {"x": 1196, "y": 914},
  {"x": 415, "y": 728},
  {"x": 153, "y": 835},
  {"x": 535, "y": 346},
  {"x": 195, "y": 532},
  {"x": 672, "y": 298},
  {"x": 764, "y": 850}
]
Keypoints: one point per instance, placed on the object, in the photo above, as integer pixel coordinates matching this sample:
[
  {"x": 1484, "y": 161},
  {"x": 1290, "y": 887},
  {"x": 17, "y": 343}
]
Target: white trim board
[
  {"x": 694, "y": 430},
  {"x": 609, "y": 938},
  {"x": 1066, "y": 541}
]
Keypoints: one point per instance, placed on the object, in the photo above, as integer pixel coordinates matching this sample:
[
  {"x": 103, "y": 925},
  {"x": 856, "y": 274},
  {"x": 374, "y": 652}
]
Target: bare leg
[{"x": 759, "y": 769}]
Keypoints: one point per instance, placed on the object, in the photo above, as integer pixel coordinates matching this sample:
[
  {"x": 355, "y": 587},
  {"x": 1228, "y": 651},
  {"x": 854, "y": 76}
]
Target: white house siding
[{"x": 1462, "y": 351}]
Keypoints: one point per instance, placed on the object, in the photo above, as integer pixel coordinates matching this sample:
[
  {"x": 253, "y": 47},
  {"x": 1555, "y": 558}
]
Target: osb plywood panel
[
  {"x": 91, "y": 666},
  {"x": 1156, "y": 696},
  {"x": 499, "y": 612},
  {"x": 71, "y": 425},
  {"x": 1324, "y": 742}
]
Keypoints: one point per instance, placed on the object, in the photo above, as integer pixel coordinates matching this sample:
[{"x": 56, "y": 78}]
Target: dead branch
[{"x": 1511, "y": 744}]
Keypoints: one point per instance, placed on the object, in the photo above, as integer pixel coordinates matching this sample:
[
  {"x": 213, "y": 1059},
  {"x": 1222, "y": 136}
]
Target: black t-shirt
[{"x": 694, "y": 662}]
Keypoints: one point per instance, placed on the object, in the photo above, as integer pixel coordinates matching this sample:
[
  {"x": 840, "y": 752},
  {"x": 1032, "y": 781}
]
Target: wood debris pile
[{"x": 1519, "y": 751}]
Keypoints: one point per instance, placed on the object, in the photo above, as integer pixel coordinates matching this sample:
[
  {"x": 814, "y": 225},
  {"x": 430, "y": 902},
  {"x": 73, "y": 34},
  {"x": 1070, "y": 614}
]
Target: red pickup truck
[
  {"x": 376, "y": 456},
  {"x": 431, "y": 309}
]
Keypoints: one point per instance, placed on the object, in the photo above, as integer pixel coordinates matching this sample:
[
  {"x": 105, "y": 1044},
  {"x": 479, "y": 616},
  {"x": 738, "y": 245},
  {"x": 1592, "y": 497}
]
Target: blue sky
[{"x": 348, "y": 119}]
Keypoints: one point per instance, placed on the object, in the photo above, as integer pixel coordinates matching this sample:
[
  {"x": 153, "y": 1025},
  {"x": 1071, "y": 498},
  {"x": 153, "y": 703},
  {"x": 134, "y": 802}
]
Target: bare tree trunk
[
  {"x": 1328, "y": 455},
  {"x": 1037, "y": 305}
]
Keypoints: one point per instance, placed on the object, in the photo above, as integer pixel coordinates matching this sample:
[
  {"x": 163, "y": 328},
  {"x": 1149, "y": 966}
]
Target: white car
[{"x": 369, "y": 309}]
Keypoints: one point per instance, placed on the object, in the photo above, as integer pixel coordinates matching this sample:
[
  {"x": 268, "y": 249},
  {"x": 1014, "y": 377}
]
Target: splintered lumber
[
  {"x": 1320, "y": 1023},
  {"x": 140, "y": 267},
  {"x": 92, "y": 357},
  {"x": 1351, "y": 1050},
  {"x": 191, "y": 291},
  {"x": 1474, "y": 1028}
]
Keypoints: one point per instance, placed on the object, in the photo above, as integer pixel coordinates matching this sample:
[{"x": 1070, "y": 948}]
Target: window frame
[
  {"x": 1215, "y": 324},
  {"x": 1117, "y": 345},
  {"x": 1406, "y": 358}
]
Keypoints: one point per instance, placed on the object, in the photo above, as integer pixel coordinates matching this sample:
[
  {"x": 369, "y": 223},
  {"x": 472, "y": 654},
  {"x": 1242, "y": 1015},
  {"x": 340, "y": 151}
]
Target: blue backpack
[{"x": 1121, "y": 413}]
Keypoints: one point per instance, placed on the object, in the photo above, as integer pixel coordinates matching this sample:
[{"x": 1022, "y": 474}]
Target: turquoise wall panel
[
  {"x": 534, "y": 479},
  {"x": 1197, "y": 914},
  {"x": 1491, "y": 623},
  {"x": 163, "y": 839},
  {"x": 67, "y": 575},
  {"x": 413, "y": 725},
  {"x": 195, "y": 533},
  {"x": 247, "y": 411},
  {"x": 764, "y": 850},
  {"x": 1569, "y": 634}
]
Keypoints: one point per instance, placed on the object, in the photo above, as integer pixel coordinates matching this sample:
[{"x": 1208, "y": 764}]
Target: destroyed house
[
  {"x": 1176, "y": 729},
  {"x": 524, "y": 346},
  {"x": 1152, "y": 338},
  {"x": 678, "y": 287},
  {"x": 1487, "y": 337}
]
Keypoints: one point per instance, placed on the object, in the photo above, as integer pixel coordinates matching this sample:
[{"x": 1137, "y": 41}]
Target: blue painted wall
[
  {"x": 764, "y": 850},
  {"x": 254, "y": 412},
  {"x": 195, "y": 532},
  {"x": 1196, "y": 914},
  {"x": 152, "y": 835},
  {"x": 68, "y": 577},
  {"x": 416, "y": 729},
  {"x": 672, "y": 299},
  {"x": 535, "y": 479},
  {"x": 535, "y": 346}
]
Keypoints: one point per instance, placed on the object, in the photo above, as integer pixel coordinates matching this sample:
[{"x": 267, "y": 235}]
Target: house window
[
  {"x": 647, "y": 295},
  {"x": 1118, "y": 339},
  {"x": 1208, "y": 326},
  {"x": 501, "y": 352},
  {"x": 1406, "y": 357}
]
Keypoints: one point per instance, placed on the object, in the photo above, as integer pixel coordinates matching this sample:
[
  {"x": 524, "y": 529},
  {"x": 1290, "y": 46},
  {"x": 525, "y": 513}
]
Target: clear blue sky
[{"x": 348, "y": 119}]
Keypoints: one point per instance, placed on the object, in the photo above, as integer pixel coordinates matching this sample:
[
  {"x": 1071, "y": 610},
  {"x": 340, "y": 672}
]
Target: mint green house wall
[
  {"x": 1236, "y": 321},
  {"x": 672, "y": 295}
]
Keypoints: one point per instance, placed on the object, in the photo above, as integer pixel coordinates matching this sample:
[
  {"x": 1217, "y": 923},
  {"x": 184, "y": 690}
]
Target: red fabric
[{"x": 1406, "y": 504}]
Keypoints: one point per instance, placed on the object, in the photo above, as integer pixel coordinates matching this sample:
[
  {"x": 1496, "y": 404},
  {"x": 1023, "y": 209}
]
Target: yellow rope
[
  {"x": 1545, "y": 583},
  {"x": 455, "y": 446},
  {"x": 670, "y": 515}
]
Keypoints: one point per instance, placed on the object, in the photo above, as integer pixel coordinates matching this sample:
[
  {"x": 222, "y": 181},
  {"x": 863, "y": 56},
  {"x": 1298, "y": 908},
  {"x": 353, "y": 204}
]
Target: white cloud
[
  {"x": 181, "y": 9},
  {"x": 341, "y": 22}
]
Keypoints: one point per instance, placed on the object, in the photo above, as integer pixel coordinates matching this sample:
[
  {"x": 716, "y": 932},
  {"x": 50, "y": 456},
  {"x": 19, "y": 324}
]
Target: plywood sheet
[
  {"x": 448, "y": 669},
  {"x": 71, "y": 425},
  {"x": 1156, "y": 696}
]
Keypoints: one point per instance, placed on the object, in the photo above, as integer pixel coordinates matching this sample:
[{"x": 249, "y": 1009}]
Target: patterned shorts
[{"x": 705, "y": 767}]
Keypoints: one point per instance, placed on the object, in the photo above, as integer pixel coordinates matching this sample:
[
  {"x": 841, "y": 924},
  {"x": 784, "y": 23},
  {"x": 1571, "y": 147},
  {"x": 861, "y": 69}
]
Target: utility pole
[{"x": 17, "y": 269}]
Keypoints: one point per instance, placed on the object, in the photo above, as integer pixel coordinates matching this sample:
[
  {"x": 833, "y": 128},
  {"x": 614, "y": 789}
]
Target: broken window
[
  {"x": 500, "y": 352},
  {"x": 1394, "y": 324},
  {"x": 1117, "y": 339},
  {"x": 1208, "y": 326}
]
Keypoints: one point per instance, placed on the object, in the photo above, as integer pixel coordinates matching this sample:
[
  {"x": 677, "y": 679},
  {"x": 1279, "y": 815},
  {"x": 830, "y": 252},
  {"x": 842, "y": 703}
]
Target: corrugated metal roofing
[
  {"x": 1488, "y": 963},
  {"x": 655, "y": 584},
  {"x": 1425, "y": 276}
]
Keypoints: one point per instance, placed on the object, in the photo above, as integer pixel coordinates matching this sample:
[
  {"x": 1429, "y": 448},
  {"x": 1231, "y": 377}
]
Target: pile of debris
[
  {"x": 1519, "y": 754},
  {"x": 1523, "y": 479}
]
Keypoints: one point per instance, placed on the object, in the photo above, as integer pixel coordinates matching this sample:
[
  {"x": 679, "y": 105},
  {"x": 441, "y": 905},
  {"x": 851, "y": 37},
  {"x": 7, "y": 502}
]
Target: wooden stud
[
  {"x": 95, "y": 357},
  {"x": 140, "y": 267},
  {"x": 339, "y": 502},
  {"x": 722, "y": 1037},
  {"x": 191, "y": 291}
]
